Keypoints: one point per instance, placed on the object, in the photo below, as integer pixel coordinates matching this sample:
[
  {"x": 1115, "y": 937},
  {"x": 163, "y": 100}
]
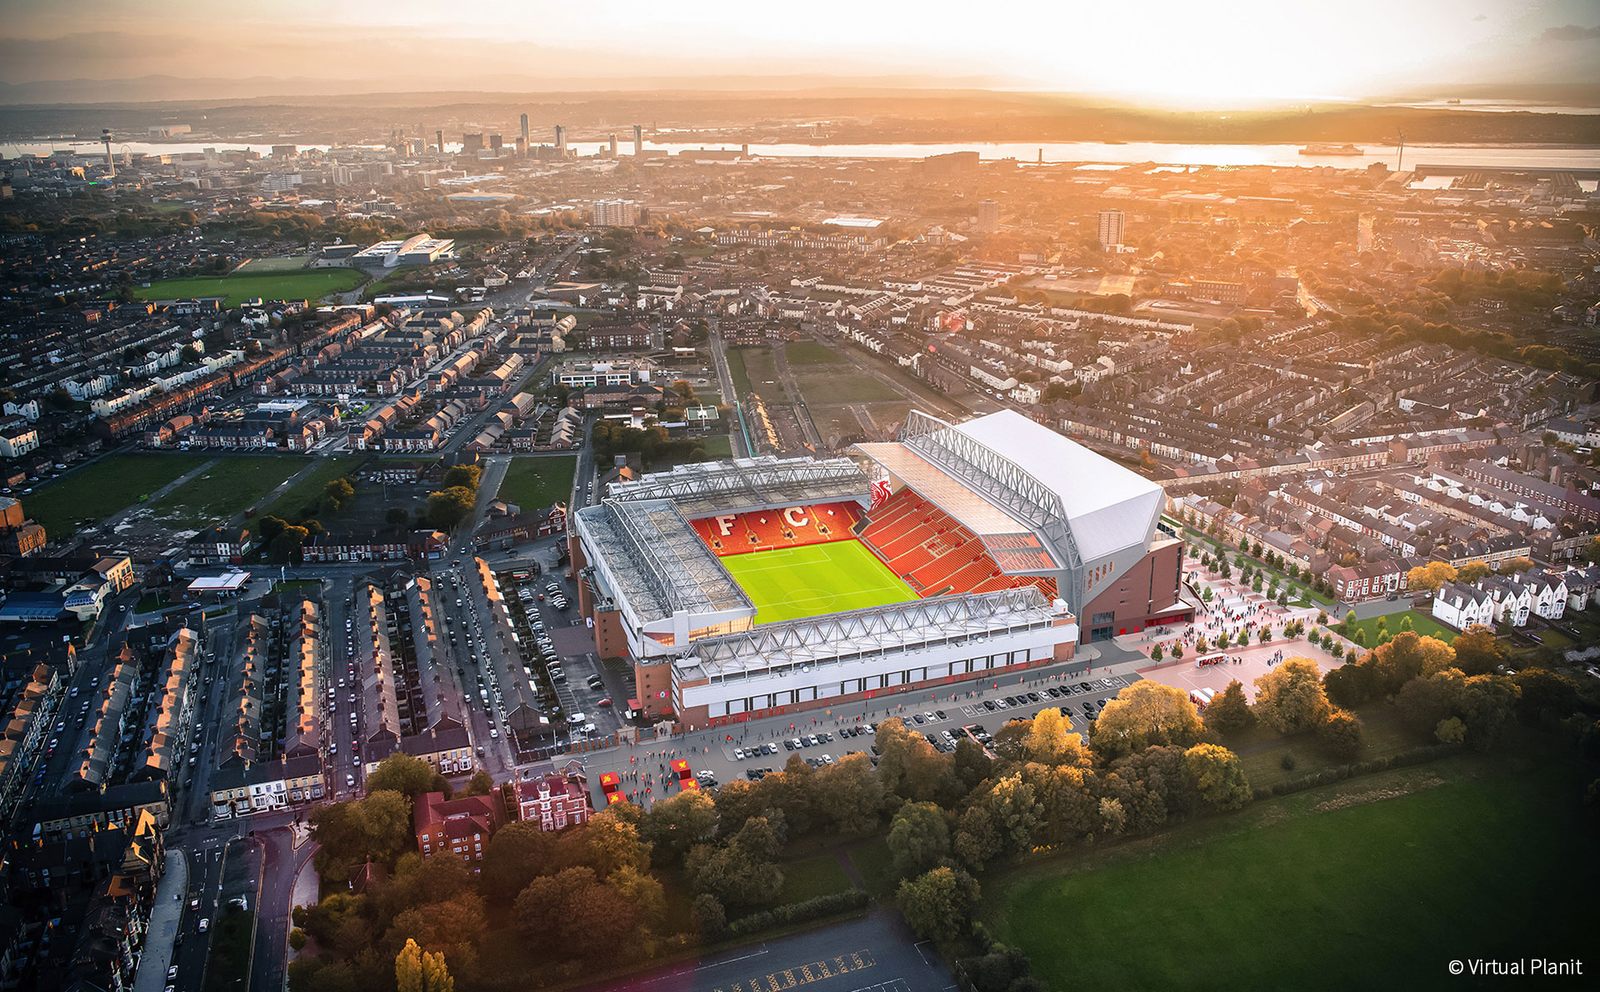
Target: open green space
[
  {"x": 309, "y": 487},
  {"x": 762, "y": 367},
  {"x": 227, "y": 487},
  {"x": 823, "y": 386},
  {"x": 277, "y": 263},
  {"x": 738, "y": 373},
  {"x": 231, "y": 933},
  {"x": 105, "y": 487},
  {"x": 717, "y": 446},
  {"x": 1261, "y": 750},
  {"x": 791, "y": 583},
  {"x": 1377, "y": 882},
  {"x": 305, "y": 284},
  {"x": 1422, "y": 623},
  {"x": 534, "y": 482},
  {"x": 808, "y": 878},
  {"x": 813, "y": 353}
]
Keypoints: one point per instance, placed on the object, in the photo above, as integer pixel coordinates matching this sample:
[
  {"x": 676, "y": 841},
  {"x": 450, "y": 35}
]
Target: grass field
[
  {"x": 813, "y": 353},
  {"x": 536, "y": 482},
  {"x": 718, "y": 446},
  {"x": 791, "y": 583},
  {"x": 278, "y": 263},
  {"x": 1378, "y": 882},
  {"x": 308, "y": 284},
  {"x": 808, "y": 878},
  {"x": 103, "y": 488},
  {"x": 228, "y": 487},
  {"x": 300, "y": 495},
  {"x": 1422, "y": 623}
]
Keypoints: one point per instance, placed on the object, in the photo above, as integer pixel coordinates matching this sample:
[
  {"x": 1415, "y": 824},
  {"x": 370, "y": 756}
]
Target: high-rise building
[
  {"x": 524, "y": 130},
  {"x": 611, "y": 151},
  {"x": 1110, "y": 228},
  {"x": 638, "y": 140},
  {"x": 988, "y": 216},
  {"x": 561, "y": 140},
  {"x": 615, "y": 213},
  {"x": 438, "y": 137},
  {"x": 496, "y": 143},
  {"x": 472, "y": 144}
]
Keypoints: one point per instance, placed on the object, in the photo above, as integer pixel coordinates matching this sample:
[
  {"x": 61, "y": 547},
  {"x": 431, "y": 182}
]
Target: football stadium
[{"x": 758, "y": 586}]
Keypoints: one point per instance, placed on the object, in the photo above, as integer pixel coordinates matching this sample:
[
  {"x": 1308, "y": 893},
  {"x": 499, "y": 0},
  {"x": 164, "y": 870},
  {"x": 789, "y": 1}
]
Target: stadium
[{"x": 758, "y": 586}]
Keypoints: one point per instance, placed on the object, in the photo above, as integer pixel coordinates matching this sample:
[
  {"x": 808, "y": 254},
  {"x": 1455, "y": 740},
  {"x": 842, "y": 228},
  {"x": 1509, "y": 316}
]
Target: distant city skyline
[{"x": 1161, "y": 52}]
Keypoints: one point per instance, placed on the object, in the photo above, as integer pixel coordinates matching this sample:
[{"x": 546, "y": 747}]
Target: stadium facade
[{"x": 988, "y": 541}]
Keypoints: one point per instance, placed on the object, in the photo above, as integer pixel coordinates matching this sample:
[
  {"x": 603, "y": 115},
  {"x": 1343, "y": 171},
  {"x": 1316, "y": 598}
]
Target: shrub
[
  {"x": 1287, "y": 762},
  {"x": 798, "y": 912}
]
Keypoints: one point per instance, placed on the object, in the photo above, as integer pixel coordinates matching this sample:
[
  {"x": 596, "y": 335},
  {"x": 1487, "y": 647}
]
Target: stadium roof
[
  {"x": 842, "y": 638},
  {"x": 1084, "y": 505},
  {"x": 657, "y": 561},
  {"x": 747, "y": 483},
  {"x": 1108, "y": 506}
]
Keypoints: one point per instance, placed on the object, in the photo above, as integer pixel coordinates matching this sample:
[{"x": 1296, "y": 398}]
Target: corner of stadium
[{"x": 760, "y": 586}]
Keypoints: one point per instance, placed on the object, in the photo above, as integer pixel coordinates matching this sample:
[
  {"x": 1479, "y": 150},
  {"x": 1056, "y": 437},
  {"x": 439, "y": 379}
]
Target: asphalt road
[{"x": 876, "y": 953}]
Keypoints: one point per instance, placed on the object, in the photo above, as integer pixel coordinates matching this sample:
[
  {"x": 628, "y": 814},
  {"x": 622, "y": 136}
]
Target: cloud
[
  {"x": 1481, "y": 17},
  {"x": 1571, "y": 32}
]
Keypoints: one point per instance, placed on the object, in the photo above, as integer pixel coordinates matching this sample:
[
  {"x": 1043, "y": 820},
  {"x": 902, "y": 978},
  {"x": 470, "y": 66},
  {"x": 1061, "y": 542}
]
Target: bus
[{"x": 1215, "y": 658}]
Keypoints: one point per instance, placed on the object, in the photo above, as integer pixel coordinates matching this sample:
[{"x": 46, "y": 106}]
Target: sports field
[
  {"x": 791, "y": 583},
  {"x": 306, "y": 284}
]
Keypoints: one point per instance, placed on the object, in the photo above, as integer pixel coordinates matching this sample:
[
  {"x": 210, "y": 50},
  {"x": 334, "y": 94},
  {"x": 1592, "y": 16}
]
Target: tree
[
  {"x": 1349, "y": 685},
  {"x": 515, "y": 855},
  {"x": 854, "y": 793},
  {"x": 938, "y": 904},
  {"x": 1349, "y": 623},
  {"x": 1450, "y": 731},
  {"x": 337, "y": 493},
  {"x": 1290, "y": 698},
  {"x": 1472, "y": 571},
  {"x": 1341, "y": 733},
  {"x": 1266, "y": 635},
  {"x": 463, "y": 476},
  {"x": 1216, "y": 776},
  {"x": 972, "y": 763},
  {"x": 285, "y": 548},
  {"x": 450, "y": 929},
  {"x": 1156, "y": 653},
  {"x": 1050, "y": 740},
  {"x": 674, "y": 825},
  {"x": 448, "y": 507},
  {"x": 1229, "y": 712},
  {"x": 1407, "y": 656},
  {"x": 611, "y": 841},
  {"x": 1478, "y": 651},
  {"x": 910, "y": 768},
  {"x": 919, "y": 838},
  {"x": 709, "y": 916},
  {"x": 376, "y": 827},
  {"x": 1428, "y": 578},
  {"x": 740, "y": 871},
  {"x": 1143, "y": 714},
  {"x": 480, "y": 784},
  {"x": 408, "y": 775}
]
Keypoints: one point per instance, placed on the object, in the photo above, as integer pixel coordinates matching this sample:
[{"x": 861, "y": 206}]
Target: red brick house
[
  {"x": 554, "y": 801},
  {"x": 462, "y": 826}
]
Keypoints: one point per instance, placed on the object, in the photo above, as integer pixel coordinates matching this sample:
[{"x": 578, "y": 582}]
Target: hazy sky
[{"x": 1207, "y": 52}]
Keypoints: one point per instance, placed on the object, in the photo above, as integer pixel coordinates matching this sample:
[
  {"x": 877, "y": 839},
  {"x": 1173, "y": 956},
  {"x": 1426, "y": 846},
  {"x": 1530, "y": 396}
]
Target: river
[{"x": 1087, "y": 152}]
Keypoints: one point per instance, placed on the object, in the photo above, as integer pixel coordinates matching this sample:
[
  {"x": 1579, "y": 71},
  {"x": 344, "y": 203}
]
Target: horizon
[{"x": 1157, "y": 55}]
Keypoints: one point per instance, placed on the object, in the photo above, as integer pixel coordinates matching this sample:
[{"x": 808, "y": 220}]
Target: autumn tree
[
  {"x": 1341, "y": 733},
  {"x": 1145, "y": 713},
  {"x": 1408, "y": 656},
  {"x": 919, "y": 838},
  {"x": 410, "y": 776},
  {"x": 1428, "y": 578},
  {"x": 853, "y": 794},
  {"x": 1050, "y": 740},
  {"x": 1229, "y": 711},
  {"x": 1216, "y": 776},
  {"x": 675, "y": 824},
  {"x": 939, "y": 904},
  {"x": 1290, "y": 698},
  {"x": 1478, "y": 650}
]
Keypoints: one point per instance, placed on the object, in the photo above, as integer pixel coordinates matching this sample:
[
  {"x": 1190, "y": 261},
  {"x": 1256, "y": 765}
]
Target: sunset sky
[{"x": 1179, "y": 52}]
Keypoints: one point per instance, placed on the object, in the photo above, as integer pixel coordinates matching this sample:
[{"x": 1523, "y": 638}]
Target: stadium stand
[
  {"x": 938, "y": 556},
  {"x": 785, "y": 527}
]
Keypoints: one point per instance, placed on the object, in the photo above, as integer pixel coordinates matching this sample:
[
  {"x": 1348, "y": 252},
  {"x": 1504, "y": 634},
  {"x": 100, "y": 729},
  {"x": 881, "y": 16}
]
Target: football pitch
[{"x": 791, "y": 583}]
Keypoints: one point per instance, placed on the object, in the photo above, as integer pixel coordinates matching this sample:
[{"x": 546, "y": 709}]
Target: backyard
[{"x": 1406, "y": 871}]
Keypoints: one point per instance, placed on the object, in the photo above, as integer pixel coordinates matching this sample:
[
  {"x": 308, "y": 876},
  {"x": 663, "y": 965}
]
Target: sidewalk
[
  {"x": 166, "y": 916},
  {"x": 305, "y": 892}
]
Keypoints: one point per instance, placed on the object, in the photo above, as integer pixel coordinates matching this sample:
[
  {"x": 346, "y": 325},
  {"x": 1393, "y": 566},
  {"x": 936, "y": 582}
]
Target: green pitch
[{"x": 791, "y": 583}]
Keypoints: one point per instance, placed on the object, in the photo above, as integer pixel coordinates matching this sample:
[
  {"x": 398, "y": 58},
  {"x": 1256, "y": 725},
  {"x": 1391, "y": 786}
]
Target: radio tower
[
  {"x": 105, "y": 139},
  {"x": 1400, "y": 155}
]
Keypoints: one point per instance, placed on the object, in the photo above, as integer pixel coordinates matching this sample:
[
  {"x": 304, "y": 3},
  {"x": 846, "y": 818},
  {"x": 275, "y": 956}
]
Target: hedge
[{"x": 799, "y": 912}]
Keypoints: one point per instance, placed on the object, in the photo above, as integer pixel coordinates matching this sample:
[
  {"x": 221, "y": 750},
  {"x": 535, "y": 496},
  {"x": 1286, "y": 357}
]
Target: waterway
[{"x": 1101, "y": 154}]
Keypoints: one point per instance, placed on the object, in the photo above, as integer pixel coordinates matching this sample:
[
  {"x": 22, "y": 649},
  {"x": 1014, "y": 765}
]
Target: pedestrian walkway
[{"x": 166, "y": 916}]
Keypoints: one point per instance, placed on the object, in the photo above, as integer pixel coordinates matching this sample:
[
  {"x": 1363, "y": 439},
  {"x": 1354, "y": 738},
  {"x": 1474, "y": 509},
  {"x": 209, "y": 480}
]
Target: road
[{"x": 730, "y": 395}]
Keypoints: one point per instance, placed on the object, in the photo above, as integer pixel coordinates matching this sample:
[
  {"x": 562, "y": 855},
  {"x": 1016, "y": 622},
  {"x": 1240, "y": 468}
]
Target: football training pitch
[{"x": 791, "y": 583}]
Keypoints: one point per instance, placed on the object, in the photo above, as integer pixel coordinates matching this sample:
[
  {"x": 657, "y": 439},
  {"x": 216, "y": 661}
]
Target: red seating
[
  {"x": 935, "y": 553},
  {"x": 785, "y": 527}
]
